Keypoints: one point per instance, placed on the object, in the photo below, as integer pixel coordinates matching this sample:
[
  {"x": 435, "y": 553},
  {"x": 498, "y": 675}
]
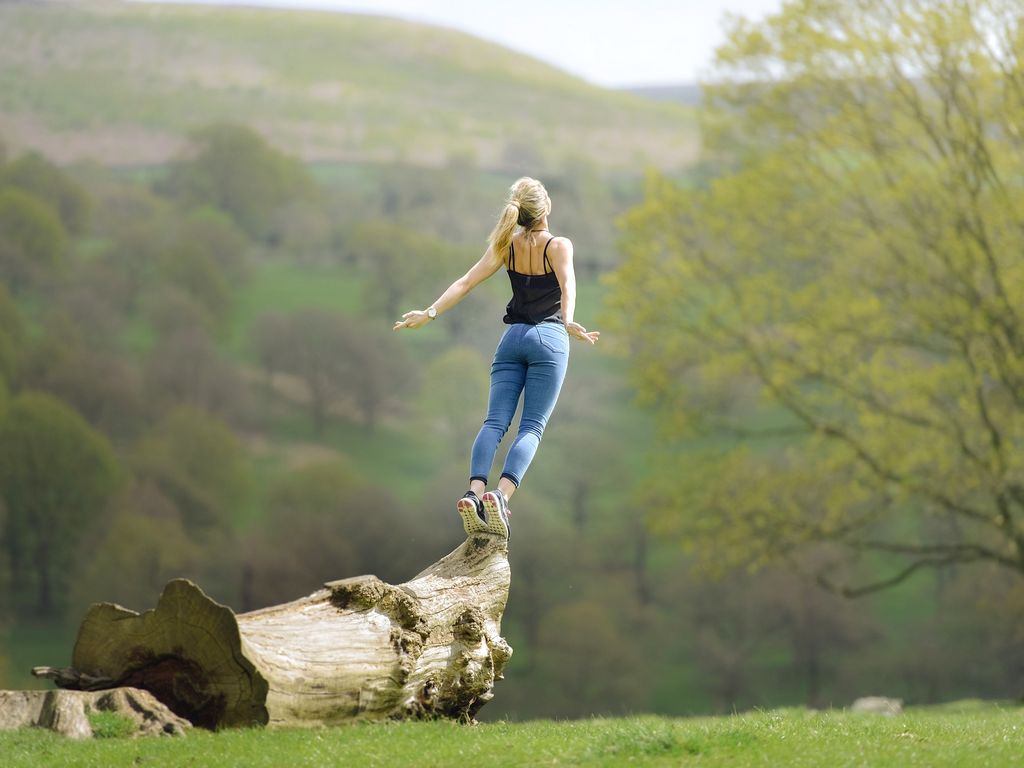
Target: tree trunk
[{"x": 357, "y": 649}]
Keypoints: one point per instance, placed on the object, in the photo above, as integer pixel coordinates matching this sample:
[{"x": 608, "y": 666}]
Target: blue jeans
[{"x": 530, "y": 359}]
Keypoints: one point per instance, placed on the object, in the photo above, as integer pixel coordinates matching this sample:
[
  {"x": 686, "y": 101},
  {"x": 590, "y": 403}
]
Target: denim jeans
[{"x": 530, "y": 360}]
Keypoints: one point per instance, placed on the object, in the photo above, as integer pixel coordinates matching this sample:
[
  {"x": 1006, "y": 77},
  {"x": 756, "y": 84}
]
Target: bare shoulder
[{"x": 560, "y": 247}]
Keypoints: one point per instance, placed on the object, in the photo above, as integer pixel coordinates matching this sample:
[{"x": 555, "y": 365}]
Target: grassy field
[
  {"x": 121, "y": 83},
  {"x": 962, "y": 735}
]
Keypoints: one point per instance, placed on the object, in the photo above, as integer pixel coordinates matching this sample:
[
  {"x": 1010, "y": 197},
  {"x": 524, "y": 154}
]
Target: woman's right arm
[{"x": 488, "y": 264}]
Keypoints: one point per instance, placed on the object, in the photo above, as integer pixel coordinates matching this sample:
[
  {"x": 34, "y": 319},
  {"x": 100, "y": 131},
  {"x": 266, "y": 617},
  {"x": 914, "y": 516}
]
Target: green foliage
[
  {"x": 339, "y": 360},
  {"x": 12, "y": 335},
  {"x": 399, "y": 261},
  {"x": 34, "y": 240},
  {"x": 144, "y": 546},
  {"x": 57, "y": 476},
  {"x": 453, "y": 397},
  {"x": 340, "y": 523},
  {"x": 233, "y": 168},
  {"x": 196, "y": 461},
  {"x": 110, "y": 725},
  {"x": 198, "y": 277},
  {"x": 39, "y": 177},
  {"x": 830, "y": 331}
]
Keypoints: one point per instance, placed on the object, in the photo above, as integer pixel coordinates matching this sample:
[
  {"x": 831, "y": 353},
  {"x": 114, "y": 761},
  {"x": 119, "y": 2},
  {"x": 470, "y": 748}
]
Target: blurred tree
[
  {"x": 36, "y": 175},
  {"x": 589, "y": 660},
  {"x": 453, "y": 397},
  {"x": 34, "y": 240},
  {"x": 94, "y": 295},
  {"x": 234, "y": 169},
  {"x": 137, "y": 553},
  {"x": 336, "y": 359},
  {"x": 134, "y": 252},
  {"x": 323, "y": 523},
  {"x": 68, "y": 362},
  {"x": 309, "y": 344},
  {"x": 194, "y": 459},
  {"x": 186, "y": 267},
  {"x": 57, "y": 476},
  {"x": 12, "y": 335},
  {"x": 212, "y": 233},
  {"x": 831, "y": 332},
  {"x": 185, "y": 368},
  {"x": 399, "y": 260},
  {"x": 376, "y": 369},
  {"x": 583, "y": 206}
]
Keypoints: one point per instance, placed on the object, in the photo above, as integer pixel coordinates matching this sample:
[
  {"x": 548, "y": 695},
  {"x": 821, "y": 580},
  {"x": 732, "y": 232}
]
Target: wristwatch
[{"x": 431, "y": 311}]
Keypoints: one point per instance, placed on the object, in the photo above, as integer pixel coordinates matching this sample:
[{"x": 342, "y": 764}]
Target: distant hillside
[
  {"x": 122, "y": 83},
  {"x": 689, "y": 94}
]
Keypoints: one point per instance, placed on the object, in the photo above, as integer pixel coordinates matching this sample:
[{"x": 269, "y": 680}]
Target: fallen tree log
[{"x": 356, "y": 649}]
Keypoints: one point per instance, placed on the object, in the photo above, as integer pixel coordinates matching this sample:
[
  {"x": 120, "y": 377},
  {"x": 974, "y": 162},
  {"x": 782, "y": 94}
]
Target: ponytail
[
  {"x": 527, "y": 202},
  {"x": 501, "y": 236}
]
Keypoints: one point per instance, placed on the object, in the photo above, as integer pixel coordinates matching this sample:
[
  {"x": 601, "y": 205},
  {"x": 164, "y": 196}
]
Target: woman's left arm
[
  {"x": 560, "y": 256},
  {"x": 456, "y": 292}
]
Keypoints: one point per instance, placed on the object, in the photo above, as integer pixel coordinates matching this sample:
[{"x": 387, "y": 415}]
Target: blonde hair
[{"x": 527, "y": 203}]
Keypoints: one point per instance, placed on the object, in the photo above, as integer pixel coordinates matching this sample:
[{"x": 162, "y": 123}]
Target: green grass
[
  {"x": 976, "y": 736},
  {"x": 285, "y": 287}
]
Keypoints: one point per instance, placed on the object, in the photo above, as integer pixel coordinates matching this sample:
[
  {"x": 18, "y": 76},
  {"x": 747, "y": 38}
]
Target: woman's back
[
  {"x": 536, "y": 293},
  {"x": 528, "y": 253}
]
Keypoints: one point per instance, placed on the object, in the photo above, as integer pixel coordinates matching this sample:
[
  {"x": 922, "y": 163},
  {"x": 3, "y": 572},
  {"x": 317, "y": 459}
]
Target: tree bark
[
  {"x": 68, "y": 712},
  {"x": 356, "y": 649}
]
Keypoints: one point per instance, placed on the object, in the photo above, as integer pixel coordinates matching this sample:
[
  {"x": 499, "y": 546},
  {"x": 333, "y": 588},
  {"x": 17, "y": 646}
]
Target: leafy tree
[
  {"x": 57, "y": 476},
  {"x": 233, "y": 168},
  {"x": 375, "y": 368},
  {"x": 399, "y": 260},
  {"x": 308, "y": 344},
  {"x": 34, "y": 241},
  {"x": 451, "y": 405},
  {"x": 36, "y": 175},
  {"x": 185, "y": 368},
  {"x": 194, "y": 459},
  {"x": 212, "y": 232},
  {"x": 336, "y": 359},
  {"x": 68, "y": 362},
  {"x": 144, "y": 546},
  {"x": 198, "y": 276},
  {"x": 12, "y": 335},
  {"x": 324, "y": 522},
  {"x": 831, "y": 330}
]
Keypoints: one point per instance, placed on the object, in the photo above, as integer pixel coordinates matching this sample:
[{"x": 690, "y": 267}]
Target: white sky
[{"x": 608, "y": 42}]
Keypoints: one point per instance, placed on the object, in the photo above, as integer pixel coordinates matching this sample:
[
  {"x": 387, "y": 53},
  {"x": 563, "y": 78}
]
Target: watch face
[{"x": 432, "y": 312}]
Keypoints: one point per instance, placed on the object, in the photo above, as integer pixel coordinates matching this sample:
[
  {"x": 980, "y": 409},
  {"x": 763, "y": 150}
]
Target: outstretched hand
[
  {"x": 577, "y": 331},
  {"x": 414, "y": 319}
]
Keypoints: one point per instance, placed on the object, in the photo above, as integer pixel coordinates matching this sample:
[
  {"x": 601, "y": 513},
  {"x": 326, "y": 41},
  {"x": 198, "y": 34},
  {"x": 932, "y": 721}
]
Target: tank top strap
[
  {"x": 512, "y": 256},
  {"x": 547, "y": 264}
]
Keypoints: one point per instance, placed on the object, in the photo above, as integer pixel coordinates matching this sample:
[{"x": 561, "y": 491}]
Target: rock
[
  {"x": 67, "y": 712},
  {"x": 878, "y": 705}
]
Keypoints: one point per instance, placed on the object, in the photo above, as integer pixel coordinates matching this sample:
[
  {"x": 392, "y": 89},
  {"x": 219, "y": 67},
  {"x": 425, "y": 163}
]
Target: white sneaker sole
[
  {"x": 470, "y": 519},
  {"x": 495, "y": 521}
]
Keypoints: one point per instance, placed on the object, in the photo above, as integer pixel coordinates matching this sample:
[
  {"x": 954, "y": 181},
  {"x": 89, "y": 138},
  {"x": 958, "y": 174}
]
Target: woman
[{"x": 533, "y": 353}]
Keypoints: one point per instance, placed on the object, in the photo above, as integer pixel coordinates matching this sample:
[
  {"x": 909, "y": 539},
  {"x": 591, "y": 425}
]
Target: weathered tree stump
[
  {"x": 357, "y": 649},
  {"x": 67, "y": 712}
]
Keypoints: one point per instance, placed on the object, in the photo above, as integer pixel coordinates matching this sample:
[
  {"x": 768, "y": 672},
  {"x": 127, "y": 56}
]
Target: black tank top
[{"x": 535, "y": 298}]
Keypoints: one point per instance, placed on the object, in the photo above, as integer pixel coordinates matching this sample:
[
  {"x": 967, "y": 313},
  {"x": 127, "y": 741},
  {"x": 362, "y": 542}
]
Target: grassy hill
[{"x": 122, "y": 83}]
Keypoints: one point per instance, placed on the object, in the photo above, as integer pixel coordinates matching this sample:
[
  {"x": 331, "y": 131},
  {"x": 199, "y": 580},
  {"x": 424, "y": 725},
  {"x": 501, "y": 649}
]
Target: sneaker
[
  {"x": 471, "y": 509},
  {"x": 496, "y": 506}
]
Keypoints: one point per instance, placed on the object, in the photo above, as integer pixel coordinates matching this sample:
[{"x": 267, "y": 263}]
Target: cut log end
[{"x": 359, "y": 648}]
